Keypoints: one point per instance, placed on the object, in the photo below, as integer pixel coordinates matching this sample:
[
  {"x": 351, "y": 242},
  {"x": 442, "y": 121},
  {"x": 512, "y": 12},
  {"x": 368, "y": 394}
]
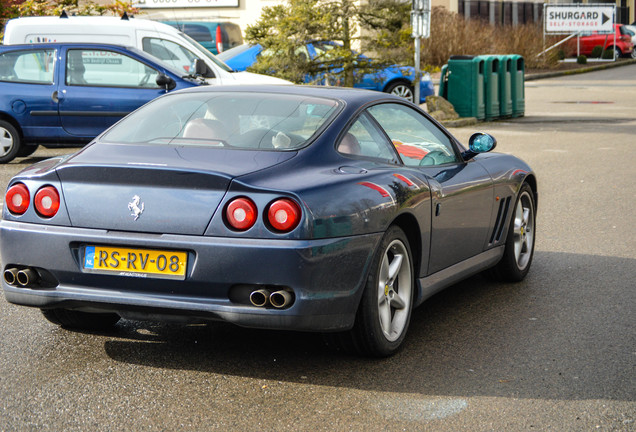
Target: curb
[
  {"x": 460, "y": 122},
  {"x": 470, "y": 121},
  {"x": 538, "y": 76}
]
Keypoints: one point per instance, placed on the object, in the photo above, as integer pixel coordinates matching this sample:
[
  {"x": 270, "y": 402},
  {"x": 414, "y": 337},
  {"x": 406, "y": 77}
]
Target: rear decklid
[{"x": 153, "y": 189}]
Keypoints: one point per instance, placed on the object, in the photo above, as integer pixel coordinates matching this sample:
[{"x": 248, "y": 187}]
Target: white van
[{"x": 161, "y": 40}]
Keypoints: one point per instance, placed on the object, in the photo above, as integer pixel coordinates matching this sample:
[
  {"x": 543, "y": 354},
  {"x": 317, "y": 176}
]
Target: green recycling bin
[
  {"x": 465, "y": 85},
  {"x": 517, "y": 85},
  {"x": 491, "y": 89},
  {"x": 505, "y": 90}
]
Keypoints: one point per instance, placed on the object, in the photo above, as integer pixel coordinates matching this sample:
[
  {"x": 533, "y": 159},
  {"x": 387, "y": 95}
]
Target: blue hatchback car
[
  {"x": 67, "y": 94},
  {"x": 393, "y": 79}
]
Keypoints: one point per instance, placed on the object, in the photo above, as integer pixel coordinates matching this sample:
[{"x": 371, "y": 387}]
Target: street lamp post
[{"x": 421, "y": 25}]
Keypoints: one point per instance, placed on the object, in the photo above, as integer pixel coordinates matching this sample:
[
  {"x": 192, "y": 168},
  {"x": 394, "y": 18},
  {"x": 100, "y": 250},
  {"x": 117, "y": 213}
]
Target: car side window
[
  {"x": 102, "y": 68},
  {"x": 417, "y": 140},
  {"x": 32, "y": 66},
  {"x": 170, "y": 52},
  {"x": 364, "y": 139}
]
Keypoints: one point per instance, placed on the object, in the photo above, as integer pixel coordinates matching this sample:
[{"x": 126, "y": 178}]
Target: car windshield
[
  {"x": 207, "y": 53},
  {"x": 166, "y": 65},
  {"x": 258, "y": 121}
]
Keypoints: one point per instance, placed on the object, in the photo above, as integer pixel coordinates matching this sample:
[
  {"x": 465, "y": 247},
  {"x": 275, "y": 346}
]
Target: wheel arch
[
  {"x": 6, "y": 117},
  {"x": 532, "y": 182},
  {"x": 396, "y": 81},
  {"x": 615, "y": 48},
  {"x": 408, "y": 223}
]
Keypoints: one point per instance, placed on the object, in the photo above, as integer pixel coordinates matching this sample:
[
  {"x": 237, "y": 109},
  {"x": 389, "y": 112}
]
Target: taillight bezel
[{"x": 22, "y": 190}]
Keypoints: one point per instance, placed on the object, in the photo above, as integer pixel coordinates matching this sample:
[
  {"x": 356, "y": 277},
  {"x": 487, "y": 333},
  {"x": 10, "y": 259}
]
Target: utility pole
[{"x": 421, "y": 25}]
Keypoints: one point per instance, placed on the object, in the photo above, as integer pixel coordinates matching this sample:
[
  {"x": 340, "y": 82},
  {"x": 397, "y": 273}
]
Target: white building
[{"x": 246, "y": 12}]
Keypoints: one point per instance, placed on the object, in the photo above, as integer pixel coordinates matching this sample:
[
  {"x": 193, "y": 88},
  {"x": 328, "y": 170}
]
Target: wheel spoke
[
  {"x": 397, "y": 302},
  {"x": 6, "y": 141},
  {"x": 394, "y": 268},
  {"x": 385, "y": 316},
  {"x": 526, "y": 216},
  {"x": 383, "y": 278}
]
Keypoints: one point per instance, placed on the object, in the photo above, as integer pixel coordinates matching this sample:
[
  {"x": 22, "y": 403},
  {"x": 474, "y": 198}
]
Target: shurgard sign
[{"x": 575, "y": 18}]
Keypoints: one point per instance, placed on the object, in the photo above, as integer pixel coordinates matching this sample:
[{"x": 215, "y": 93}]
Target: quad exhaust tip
[
  {"x": 259, "y": 298},
  {"x": 280, "y": 299},
  {"x": 11, "y": 276},
  {"x": 27, "y": 277}
]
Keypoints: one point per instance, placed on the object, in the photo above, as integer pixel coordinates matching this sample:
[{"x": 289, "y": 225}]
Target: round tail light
[
  {"x": 284, "y": 215},
  {"x": 47, "y": 201},
  {"x": 17, "y": 199},
  {"x": 240, "y": 214}
]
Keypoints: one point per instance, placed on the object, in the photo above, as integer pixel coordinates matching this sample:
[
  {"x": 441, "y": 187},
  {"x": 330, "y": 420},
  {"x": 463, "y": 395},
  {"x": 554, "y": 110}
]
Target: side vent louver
[{"x": 500, "y": 223}]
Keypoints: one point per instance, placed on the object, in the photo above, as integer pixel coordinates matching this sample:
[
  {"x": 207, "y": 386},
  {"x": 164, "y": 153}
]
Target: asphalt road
[{"x": 555, "y": 352}]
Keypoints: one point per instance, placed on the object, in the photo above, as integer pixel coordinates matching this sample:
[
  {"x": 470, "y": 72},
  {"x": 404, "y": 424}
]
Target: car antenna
[
  {"x": 124, "y": 16},
  {"x": 63, "y": 14}
]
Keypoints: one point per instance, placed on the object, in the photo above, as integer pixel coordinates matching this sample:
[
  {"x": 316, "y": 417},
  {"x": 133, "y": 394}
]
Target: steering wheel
[{"x": 436, "y": 157}]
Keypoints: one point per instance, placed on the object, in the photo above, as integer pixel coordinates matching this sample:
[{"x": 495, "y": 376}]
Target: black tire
[
  {"x": 401, "y": 89},
  {"x": 372, "y": 334},
  {"x": 10, "y": 142},
  {"x": 81, "y": 320},
  {"x": 520, "y": 240},
  {"x": 26, "y": 150}
]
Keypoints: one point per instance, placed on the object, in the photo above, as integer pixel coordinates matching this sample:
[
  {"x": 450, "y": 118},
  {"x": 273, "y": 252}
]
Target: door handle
[{"x": 54, "y": 97}]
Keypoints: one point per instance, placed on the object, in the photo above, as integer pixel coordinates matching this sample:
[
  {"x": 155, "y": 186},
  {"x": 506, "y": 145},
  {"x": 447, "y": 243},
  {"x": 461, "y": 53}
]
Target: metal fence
[{"x": 516, "y": 13}]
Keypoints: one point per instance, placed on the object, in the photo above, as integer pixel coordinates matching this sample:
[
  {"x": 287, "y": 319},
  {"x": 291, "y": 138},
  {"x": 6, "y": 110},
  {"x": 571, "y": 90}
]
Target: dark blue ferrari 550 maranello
[{"x": 317, "y": 209}]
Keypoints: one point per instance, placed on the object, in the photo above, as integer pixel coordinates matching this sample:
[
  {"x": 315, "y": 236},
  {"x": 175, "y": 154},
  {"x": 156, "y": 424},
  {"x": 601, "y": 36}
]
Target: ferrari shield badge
[{"x": 136, "y": 207}]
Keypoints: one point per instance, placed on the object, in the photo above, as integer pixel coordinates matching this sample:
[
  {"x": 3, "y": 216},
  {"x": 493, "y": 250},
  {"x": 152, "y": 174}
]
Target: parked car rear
[
  {"x": 394, "y": 79},
  {"x": 620, "y": 42},
  {"x": 214, "y": 36},
  {"x": 631, "y": 29},
  {"x": 66, "y": 94}
]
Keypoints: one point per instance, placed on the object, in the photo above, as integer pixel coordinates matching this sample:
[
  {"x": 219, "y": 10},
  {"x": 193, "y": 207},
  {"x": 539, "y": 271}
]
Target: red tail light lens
[
  {"x": 284, "y": 215},
  {"x": 219, "y": 39},
  {"x": 47, "y": 201},
  {"x": 240, "y": 214},
  {"x": 17, "y": 199}
]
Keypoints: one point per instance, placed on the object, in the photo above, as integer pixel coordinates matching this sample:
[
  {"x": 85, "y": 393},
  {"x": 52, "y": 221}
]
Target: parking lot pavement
[{"x": 555, "y": 352}]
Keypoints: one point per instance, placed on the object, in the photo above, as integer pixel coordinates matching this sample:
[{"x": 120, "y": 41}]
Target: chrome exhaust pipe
[
  {"x": 11, "y": 275},
  {"x": 259, "y": 297},
  {"x": 27, "y": 277},
  {"x": 280, "y": 299}
]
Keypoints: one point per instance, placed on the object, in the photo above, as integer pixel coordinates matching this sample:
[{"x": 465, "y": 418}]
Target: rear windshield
[
  {"x": 234, "y": 36},
  {"x": 257, "y": 121}
]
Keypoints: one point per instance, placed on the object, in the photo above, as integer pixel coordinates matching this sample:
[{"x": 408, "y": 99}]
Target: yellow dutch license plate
[{"x": 135, "y": 262}]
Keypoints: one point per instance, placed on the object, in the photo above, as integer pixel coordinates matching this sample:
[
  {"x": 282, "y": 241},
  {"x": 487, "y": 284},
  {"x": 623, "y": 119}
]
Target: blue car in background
[
  {"x": 66, "y": 94},
  {"x": 393, "y": 79}
]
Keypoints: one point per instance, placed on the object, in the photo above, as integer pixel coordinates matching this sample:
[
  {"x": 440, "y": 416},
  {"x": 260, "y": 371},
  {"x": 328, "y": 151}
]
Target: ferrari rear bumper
[{"x": 325, "y": 276}]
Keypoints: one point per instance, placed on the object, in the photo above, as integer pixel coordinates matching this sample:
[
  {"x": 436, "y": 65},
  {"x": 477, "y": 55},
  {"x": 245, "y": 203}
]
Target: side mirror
[
  {"x": 166, "y": 82},
  {"x": 200, "y": 68},
  {"x": 479, "y": 143}
]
